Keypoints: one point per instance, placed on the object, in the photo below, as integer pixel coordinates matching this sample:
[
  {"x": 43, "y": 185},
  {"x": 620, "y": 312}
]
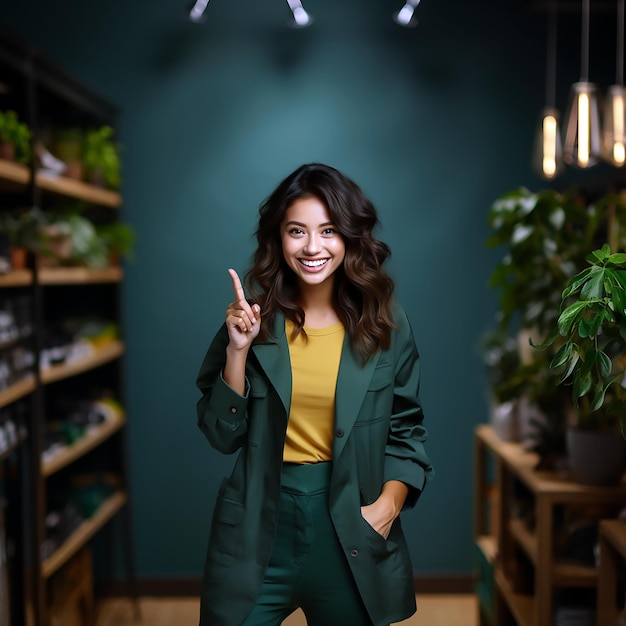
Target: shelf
[
  {"x": 78, "y": 189},
  {"x": 79, "y": 275},
  {"x": 17, "y": 390},
  {"x": 558, "y": 485},
  {"x": 83, "y": 534},
  {"x": 565, "y": 574},
  {"x": 13, "y": 175},
  {"x": 526, "y": 539},
  {"x": 521, "y": 605},
  {"x": 99, "y": 357},
  {"x": 16, "y": 175},
  {"x": 18, "y": 278},
  {"x": 93, "y": 438}
]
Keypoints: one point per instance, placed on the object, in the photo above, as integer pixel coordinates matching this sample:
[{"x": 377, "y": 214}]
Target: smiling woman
[
  {"x": 314, "y": 250},
  {"x": 314, "y": 380}
]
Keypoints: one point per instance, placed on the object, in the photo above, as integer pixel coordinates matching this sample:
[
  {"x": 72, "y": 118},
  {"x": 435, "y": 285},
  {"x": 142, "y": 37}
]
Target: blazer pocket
[{"x": 228, "y": 507}]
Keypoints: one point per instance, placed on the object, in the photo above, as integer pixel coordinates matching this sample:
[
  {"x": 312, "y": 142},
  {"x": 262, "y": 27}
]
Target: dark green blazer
[{"x": 379, "y": 436}]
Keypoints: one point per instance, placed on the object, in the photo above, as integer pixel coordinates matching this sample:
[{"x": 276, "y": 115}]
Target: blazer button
[
  {"x": 233, "y": 409},
  {"x": 354, "y": 553},
  {"x": 339, "y": 432}
]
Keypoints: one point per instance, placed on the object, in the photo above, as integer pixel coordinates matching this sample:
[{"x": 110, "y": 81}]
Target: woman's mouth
[{"x": 313, "y": 265}]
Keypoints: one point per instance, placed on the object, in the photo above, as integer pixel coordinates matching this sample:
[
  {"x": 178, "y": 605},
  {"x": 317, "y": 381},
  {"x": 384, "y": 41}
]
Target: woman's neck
[{"x": 317, "y": 304}]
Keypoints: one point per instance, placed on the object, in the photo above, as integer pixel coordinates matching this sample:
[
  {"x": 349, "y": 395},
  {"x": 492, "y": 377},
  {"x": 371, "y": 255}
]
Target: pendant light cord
[
  {"x": 620, "y": 43},
  {"x": 584, "y": 44},
  {"x": 551, "y": 60}
]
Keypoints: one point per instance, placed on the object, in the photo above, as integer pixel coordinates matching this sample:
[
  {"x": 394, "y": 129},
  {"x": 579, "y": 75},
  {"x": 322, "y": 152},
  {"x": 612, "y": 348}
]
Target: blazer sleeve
[
  {"x": 405, "y": 454},
  {"x": 221, "y": 411}
]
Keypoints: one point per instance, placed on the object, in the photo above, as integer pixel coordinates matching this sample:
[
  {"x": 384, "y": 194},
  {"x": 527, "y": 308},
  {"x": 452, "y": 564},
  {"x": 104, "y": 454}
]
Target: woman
[{"x": 314, "y": 382}]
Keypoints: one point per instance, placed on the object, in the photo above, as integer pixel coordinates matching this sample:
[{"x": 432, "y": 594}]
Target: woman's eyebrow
[{"x": 294, "y": 223}]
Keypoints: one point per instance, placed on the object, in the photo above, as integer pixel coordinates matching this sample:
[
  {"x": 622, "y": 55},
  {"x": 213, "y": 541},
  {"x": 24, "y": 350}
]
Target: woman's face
[{"x": 312, "y": 246}]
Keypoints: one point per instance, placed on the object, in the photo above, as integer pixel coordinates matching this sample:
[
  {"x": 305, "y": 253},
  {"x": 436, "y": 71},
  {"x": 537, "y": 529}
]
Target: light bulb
[
  {"x": 548, "y": 152},
  {"x": 582, "y": 131},
  {"x": 614, "y": 131}
]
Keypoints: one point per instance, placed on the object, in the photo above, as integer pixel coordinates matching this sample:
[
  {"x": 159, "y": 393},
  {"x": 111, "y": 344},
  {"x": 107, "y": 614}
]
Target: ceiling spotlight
[
  {"x": 406, "y": 15},
  {"x": 196, "y": 11},
  {"x": 300, "y": 17}
]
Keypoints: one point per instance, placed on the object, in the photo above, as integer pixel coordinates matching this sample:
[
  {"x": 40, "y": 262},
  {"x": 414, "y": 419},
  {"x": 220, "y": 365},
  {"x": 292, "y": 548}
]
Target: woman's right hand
[{"x": 242, "y": 320}]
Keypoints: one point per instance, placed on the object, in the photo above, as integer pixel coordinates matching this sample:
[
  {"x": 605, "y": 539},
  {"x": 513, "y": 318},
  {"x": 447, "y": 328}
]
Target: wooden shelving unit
[
  {"x": 528, "y": 597},
  {"x": 49, "y": 100},
  {"x": 83, "y": 534}
]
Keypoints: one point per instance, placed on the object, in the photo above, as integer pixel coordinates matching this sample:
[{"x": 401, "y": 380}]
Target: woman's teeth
[{"x": 313, "y": 263}]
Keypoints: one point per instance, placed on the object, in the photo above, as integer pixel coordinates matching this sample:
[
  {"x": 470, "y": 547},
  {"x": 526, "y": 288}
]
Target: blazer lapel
[
  {"x": 273, "y": 357},
  {"x": 352, "y": 383}
]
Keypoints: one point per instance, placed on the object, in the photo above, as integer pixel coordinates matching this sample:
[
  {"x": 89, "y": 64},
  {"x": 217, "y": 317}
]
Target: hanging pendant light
[
  {"x": 582, "y": 132},
  {"x": 614, "y": 131},
  {"x": 548, "y": 151}
]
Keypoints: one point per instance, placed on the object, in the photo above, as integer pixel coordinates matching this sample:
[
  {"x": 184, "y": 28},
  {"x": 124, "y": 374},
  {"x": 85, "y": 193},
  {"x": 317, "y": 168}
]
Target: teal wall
[{"x": 434, "y": 123}]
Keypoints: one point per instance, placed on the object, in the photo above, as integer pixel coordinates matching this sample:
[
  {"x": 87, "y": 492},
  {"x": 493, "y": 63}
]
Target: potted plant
[
  {"x": 119, "y": 239},
  {"x": 70, "y": 239},
  {"x": 69, "y": 147},
  {"x": 591, "y": 338},
  {"x": 21, "y": 229},
  {"x": 101, "y": 157},
  {"x": 14, "y": 138},
  {"x": 545, "y": 236}
]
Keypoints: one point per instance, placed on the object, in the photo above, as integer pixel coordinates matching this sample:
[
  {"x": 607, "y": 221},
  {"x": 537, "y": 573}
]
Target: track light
[
  {"x": 196, "y": 11},
  {"x": 301, "y": 18},
  {"x": 406, "y": 15}
]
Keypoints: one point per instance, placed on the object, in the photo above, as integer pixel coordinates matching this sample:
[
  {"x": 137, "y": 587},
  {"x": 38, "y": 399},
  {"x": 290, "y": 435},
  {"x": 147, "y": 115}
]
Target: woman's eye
[
  {"x": 296, "y": 231},
  {"x": 329, "y": 231}
]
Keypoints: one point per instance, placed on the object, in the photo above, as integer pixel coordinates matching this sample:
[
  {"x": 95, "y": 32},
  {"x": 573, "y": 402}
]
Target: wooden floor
[{"x": 433, "y": 610}]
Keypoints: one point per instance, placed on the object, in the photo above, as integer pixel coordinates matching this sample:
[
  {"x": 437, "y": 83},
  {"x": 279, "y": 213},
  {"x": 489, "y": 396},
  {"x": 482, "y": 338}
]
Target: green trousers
[{"x": 308, "y": 569}]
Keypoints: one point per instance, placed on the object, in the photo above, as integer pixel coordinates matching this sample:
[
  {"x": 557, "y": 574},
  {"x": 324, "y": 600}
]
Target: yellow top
[{"x": 314, "y": 369}]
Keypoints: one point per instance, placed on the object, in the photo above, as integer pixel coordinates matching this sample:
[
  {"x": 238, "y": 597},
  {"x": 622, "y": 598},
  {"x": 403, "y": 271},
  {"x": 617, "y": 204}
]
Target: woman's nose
[{"x": 312, "y": 245}]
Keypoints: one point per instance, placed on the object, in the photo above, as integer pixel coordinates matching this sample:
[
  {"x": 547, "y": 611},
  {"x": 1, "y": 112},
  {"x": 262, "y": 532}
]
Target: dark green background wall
[{"x": 434, "y": 123}]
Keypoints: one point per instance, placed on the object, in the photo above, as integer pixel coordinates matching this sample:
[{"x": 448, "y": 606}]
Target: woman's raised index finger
[{"x": 237, "y": 287}]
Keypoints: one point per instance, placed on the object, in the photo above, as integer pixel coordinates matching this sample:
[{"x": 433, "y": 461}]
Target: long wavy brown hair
[{"x": 363, "y": 290}]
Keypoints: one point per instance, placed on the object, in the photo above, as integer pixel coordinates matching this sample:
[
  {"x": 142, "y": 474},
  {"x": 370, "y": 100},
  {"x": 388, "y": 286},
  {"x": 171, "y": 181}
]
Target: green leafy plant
[
  {"x": 545, "y": 235},
  {"x": 101, "y": 157},
  {"x": 118, "y": 237},
  {"x": 69, "y": 146},
  {"x": 71, "y": 240},
  {"x": 21, "y": 227},
  {"x": 591, "y": 327},
  {"x": 16, "y": 133}
]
